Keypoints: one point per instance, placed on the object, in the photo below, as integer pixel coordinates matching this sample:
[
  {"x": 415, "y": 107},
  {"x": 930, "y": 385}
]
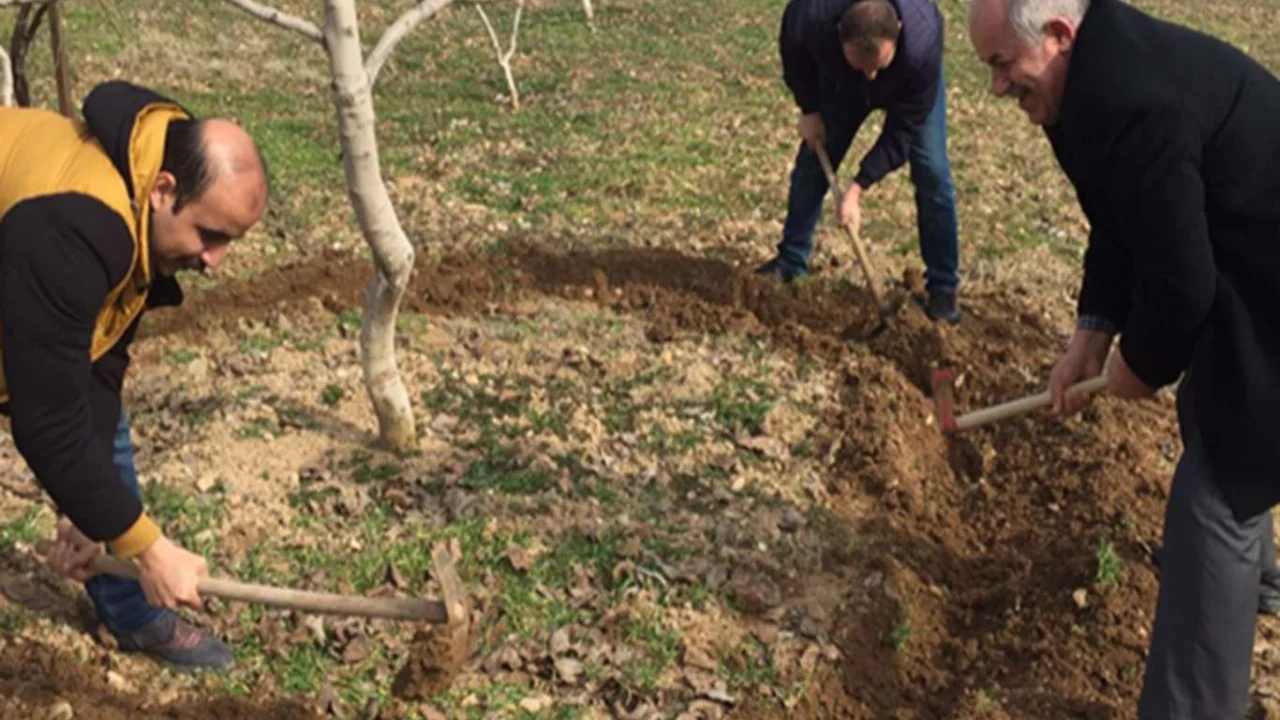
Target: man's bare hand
[
  {"x": 72, "y": 551},
  {"x": 812, "y": 131},
  {"x": 1083, "y": 359},
  {"x": 169, "y": 574},
  {"x": 1121, "y": 381},
  {"x": 851, "y": 207}
]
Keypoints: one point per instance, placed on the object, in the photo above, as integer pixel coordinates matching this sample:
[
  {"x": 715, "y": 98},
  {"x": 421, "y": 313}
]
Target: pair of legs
[
  {"x": 1213, "y": 571},
  {"x": 935, "y": 195},
  {"x": 122, "y": 606}
]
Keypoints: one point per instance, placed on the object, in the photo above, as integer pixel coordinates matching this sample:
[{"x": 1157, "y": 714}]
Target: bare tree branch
[
  {"x": 284, "y": 20},
  {"x": 504, "y": 59},
  {"x": 60, "y": 62},
  {"x": 24, "y": 33},
  {"x": 15, "y": 3},
  {"x": 396, "y": 32}
]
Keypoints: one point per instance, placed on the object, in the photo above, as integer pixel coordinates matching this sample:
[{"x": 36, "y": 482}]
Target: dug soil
[
  {"x": 975, "y": 586},
  {"x": 37, "y": 682}
]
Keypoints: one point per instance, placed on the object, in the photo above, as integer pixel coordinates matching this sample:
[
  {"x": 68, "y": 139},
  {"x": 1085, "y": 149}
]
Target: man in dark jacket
[
  {"x": 95, "y": 220},
  {"x": 842, "y": 59},
  {"x": 1172, "y": 140}
]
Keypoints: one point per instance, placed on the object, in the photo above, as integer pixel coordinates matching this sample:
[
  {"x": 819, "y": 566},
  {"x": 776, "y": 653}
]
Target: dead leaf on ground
[
  {"x": 770, "y": 447},
  {"x": 719, "y": 695},
  {"x": 519, "y": 558},
  {"x": 355, "y": 651},
  {"x": 560, "y": 642},
  {"x": 697, "y": 656},
  {"x": 536, "y": 704},
  {"x": 569, "y": 670},
  {"x": 330, "y": 703},
  {"x": 393, "y": 577}
]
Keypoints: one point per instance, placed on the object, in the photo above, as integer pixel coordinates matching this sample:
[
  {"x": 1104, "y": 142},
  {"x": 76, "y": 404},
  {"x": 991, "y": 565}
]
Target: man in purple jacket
[{"x": 842, "y": 59}]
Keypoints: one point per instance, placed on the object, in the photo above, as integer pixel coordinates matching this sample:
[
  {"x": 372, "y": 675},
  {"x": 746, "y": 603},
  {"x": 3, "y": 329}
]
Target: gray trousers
[{"x": 1210, "y": 577}]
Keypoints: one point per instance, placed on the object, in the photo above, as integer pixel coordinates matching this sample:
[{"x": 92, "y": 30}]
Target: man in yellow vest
[{"x": 96, "y": 217}]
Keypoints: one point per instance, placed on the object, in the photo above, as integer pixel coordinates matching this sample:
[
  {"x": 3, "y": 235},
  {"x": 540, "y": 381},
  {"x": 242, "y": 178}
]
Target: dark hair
[
  {"x": 184, "y": 157},
  {"x": 867, "y": 23}
]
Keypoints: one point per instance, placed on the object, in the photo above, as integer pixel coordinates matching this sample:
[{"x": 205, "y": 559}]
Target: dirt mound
[
  {"x": 36, "y": 681},
  {"x": 678, "y": 293},
  {"x": 987, "y": 580}
]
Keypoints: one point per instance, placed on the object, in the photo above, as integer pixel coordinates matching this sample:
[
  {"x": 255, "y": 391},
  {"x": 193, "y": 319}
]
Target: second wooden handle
[{"x": 1021, "y": 405}]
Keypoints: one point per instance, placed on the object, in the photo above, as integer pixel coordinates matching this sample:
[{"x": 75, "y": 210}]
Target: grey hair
[{"x": 1028, "y": 17}]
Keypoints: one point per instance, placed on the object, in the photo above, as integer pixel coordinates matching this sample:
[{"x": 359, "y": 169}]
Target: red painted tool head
[{"x": 943, "y": 402}]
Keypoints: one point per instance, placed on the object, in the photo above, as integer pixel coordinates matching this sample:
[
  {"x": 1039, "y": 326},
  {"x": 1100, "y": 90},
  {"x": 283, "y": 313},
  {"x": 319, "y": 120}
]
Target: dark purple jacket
[{"x": 812, "y": 63}]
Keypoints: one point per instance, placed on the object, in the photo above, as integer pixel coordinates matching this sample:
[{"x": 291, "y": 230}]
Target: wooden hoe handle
[
  {"x": 1031, "y": 402},
  {"x": 854, "y": 237},
  {"x": 431, "y": 611}
]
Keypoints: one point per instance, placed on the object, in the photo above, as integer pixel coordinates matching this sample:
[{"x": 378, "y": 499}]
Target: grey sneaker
[
  {"x": 173, "y": 640},
  {"x": 779, "y": 269}
]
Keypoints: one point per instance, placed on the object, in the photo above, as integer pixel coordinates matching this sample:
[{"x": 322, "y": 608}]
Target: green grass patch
[
  {"x": 190, "y": 520},
  {"x": 24, "y": 528},
  {"x": 742, "y": 403},
  {"x": 181, "y": 356},
  {"x": 1110, "y": 572},
  {"x": 332, "y": 395}
]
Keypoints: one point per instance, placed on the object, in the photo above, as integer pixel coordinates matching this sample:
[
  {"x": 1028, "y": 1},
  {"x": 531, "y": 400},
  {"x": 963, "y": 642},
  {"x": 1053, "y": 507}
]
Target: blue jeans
[
  {"x": 935, "y": 193},
  {"x": 120, "y": 603}
]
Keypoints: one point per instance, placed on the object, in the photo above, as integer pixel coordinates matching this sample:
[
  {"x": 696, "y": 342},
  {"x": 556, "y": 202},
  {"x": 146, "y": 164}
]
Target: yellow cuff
[{"x": 136, "y": 539}]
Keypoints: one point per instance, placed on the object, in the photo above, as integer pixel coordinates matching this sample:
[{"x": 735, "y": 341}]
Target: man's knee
[{"x": 931, "y": 175}]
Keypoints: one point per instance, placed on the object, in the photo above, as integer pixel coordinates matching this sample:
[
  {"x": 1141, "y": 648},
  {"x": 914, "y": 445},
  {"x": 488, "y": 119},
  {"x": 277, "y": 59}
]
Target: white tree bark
[
  {"x": 504, "y": 58},
  {"x": 392, "y": 252},
  {"x": 590, "y": 13},
  {"x": 396, "y": 32},
  {"x": 6, "y": 80}
]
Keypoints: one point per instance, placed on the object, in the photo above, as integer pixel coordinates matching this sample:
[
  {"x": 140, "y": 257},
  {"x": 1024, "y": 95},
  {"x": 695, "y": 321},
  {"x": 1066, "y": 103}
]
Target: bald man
[{"x": 96, "y": 218}]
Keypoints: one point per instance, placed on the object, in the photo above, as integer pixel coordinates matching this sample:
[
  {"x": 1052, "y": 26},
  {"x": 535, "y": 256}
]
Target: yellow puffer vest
[{"x": 43, "y": 153}]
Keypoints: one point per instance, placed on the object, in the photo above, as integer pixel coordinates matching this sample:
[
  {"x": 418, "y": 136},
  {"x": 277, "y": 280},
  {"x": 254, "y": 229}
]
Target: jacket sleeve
[
  {"x": 902, "y": 125},
  {"x": 1108, "y": 281},
  {"x": 59, "y": 257},
  {"x": 798, "y": 67},
  {"x": 1158, "y": 198}
]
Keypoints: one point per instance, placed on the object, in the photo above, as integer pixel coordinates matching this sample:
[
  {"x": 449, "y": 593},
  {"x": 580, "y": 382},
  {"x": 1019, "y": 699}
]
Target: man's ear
[
  {"x": 1061, "y": 32},
  {"x": 164, "y": 192}
]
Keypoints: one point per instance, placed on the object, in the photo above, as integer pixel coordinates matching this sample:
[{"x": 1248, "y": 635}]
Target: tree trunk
[
  {"x": 6, "y": 80},
  {"x": 392, "y": 253}
]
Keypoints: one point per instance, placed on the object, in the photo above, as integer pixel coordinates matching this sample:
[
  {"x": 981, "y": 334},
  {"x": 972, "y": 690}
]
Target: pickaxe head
[{"x": 943, "y": 399}]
